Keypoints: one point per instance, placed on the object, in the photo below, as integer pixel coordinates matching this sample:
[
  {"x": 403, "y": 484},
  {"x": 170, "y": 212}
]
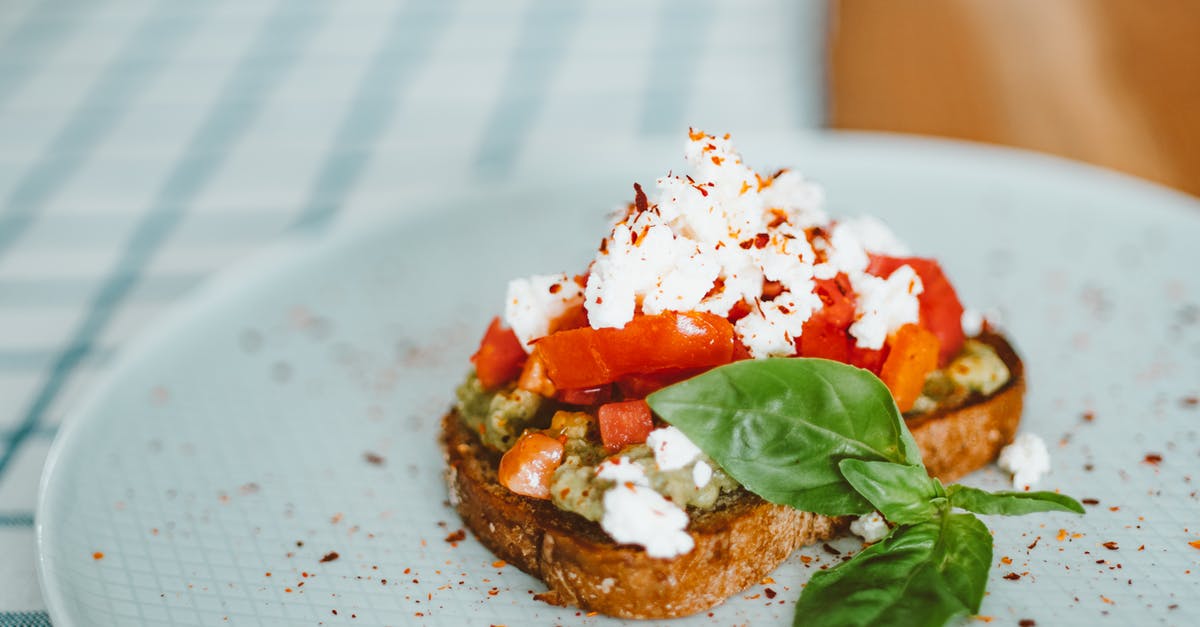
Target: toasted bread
[{"x": 736, "y": 544}]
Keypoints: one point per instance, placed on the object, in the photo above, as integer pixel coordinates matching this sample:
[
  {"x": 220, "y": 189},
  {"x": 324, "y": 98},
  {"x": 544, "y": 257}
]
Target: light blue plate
[{"x": 289, "y": 410}]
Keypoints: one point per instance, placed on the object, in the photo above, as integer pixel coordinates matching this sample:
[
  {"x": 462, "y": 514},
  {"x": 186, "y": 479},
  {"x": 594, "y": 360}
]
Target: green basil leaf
[
  {"x": 967, "y": 558},
  {"x": 1010, "y": 503},
  {"x": 924, "y": 574},
  {"x": 906, "y": 495},
  {"x": 780, "y": 426}
]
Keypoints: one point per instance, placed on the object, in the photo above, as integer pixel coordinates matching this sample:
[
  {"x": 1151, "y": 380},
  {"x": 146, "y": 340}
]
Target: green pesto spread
[
  {"x": 575, "y": 487},
  {"x": 977, "y": 369},
  {"x": 499, "y": 416}
]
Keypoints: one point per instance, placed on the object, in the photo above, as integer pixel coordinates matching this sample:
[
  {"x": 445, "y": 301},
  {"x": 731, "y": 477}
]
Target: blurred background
[{"x": 145, "y": 144}]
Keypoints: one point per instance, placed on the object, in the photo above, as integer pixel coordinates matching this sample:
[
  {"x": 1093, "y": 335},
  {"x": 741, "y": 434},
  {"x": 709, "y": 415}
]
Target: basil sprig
[{"x": 826, "y": 437}]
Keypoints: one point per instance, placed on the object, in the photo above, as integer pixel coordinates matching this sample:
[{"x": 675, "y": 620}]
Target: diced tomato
[
  {"x": 587, "y": 357},
  {"x": 534, "y": 378},
  {"x": 913, "y": 355},
  {"x": 825, "y": 333},
  {"x": 529, "y": 465},
  {"x": 941, "y": 311},
  {"x": 586, "y": 396},
  {"x": 500, "y": 356},
  {"x": 643, "y": 385},
  {"x": 868, "y": 358},
  {"x": 623, "y": 424}
]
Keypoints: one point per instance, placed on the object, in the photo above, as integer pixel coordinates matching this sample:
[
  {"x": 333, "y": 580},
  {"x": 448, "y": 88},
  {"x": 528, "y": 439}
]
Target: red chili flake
[
  {"x": 374, "y": 459},
  {"x": 1195, "y": 544},
  {"x": 761, "y": 240},
  {"x": 806, "y": 560},
  {"x": 329, "y": 557},
  {"x": 703, "y": 192},
  {"x": 770, "y": 593},
  {"x": 1153, "y": 459},
  {"x": 1062, "y": 535},
  {"x": 499, "y": 564},
  {"x": 1114, "y": 508},
  {"x": 1035, "y": 542},
  {"x": 695, "y": 135},
  {"x": 97, "y": 556},
  {"x": 555, "y": 288},
  {"x": 1006, "y": 560},
  {"x": 746, "y": 244},
  {"x": 1106, "y": 600},
  {"x": 1027, "y": 622},
  {"x": 830, "y": 550},
  {"x": 493, "y": 592},
  {"x": 777, "y": 217},
  {"x": 457, "y": 536},
  {"x": 1112, "y": 546},
  {"x": 1091, "y": 501},
  {"x": 1191, "y": 401},
  {"x": 1012, "y": 576},
  {"x": 639, "y": 198},
  {"x": 334, "y": 612},
  {"x": 1089, "y": 416},
  {"x": 717, "y": 160}
]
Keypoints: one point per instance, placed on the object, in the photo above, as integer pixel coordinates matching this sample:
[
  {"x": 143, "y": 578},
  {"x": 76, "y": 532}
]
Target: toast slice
[{"x": 736, "y": 543}]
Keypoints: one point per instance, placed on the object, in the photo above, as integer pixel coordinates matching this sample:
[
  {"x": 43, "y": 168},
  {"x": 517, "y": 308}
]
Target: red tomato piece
[
  {"x": 586, "y": 357},
  {"x": 586, "y": 396},
  {"x": 643, "y": 385},
  {"x": 624, "y": 423},
  {"x": 500, "y": 356},
  {"x": 529, "y": 465},
  {"x": 825, "y": 333},
  {"x": 941, "y": 311}
]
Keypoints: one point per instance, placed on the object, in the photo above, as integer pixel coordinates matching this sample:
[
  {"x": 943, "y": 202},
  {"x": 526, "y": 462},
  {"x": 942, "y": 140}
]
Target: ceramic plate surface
[{"x": 287, "y": 414}]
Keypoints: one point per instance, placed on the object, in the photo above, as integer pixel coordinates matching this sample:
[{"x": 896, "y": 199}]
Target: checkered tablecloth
[{"x": 145, "y": 144}]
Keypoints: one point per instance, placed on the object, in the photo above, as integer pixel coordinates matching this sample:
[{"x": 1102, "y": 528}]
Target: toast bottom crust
[{"x": 736, "y": 544}]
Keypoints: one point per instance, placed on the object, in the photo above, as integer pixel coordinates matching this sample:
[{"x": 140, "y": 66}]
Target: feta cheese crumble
[
  {"x": 871, "y": 528},
  {"x": 636, "y": 514},
  {"x": 701, "y": 474},
  {"x": 719, "y": 238},
  {"x": 534, "y": 302},
  {"x": 621, "y": 470},
  {"x": 1027, "y": 459},
  {"x": 972, "y": 322},
  {"x": 672, "y": 449}
]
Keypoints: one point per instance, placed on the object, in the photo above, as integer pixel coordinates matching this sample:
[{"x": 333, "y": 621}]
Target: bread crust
[{"x": 736, "y": 544}]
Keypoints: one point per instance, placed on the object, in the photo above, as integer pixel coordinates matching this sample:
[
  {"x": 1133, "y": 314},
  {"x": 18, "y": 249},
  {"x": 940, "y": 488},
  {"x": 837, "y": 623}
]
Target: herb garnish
[{"x": 826, "y": 437}]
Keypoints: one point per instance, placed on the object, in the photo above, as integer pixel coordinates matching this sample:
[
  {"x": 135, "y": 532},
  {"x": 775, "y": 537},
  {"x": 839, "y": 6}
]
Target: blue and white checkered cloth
[{"x": 145, "y": 144}]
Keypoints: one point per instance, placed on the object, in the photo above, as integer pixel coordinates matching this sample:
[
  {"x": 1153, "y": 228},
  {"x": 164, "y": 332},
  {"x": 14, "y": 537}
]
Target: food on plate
[{"x": 619, "y": 432}]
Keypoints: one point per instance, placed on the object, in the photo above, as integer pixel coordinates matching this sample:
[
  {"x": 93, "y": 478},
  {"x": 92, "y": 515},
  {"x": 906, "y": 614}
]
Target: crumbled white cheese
[
  {"x": 622, "y": 470},
  {"x": 875, "y": 236},
  {"x": 672, "y": 449},
  {"x": 536, "y": 301},
  {"x": 701, "y": 474},
  {"x": 707, "y": 240},
  {"x": 871, "y": 528},
  {"x": 636, "y": 514},
  {"x": 885, "y": 305},
  {"x": 972, "y": 322},
  {"x": 1027, "y": 459},
  {"x": 771, "y": 328}
]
